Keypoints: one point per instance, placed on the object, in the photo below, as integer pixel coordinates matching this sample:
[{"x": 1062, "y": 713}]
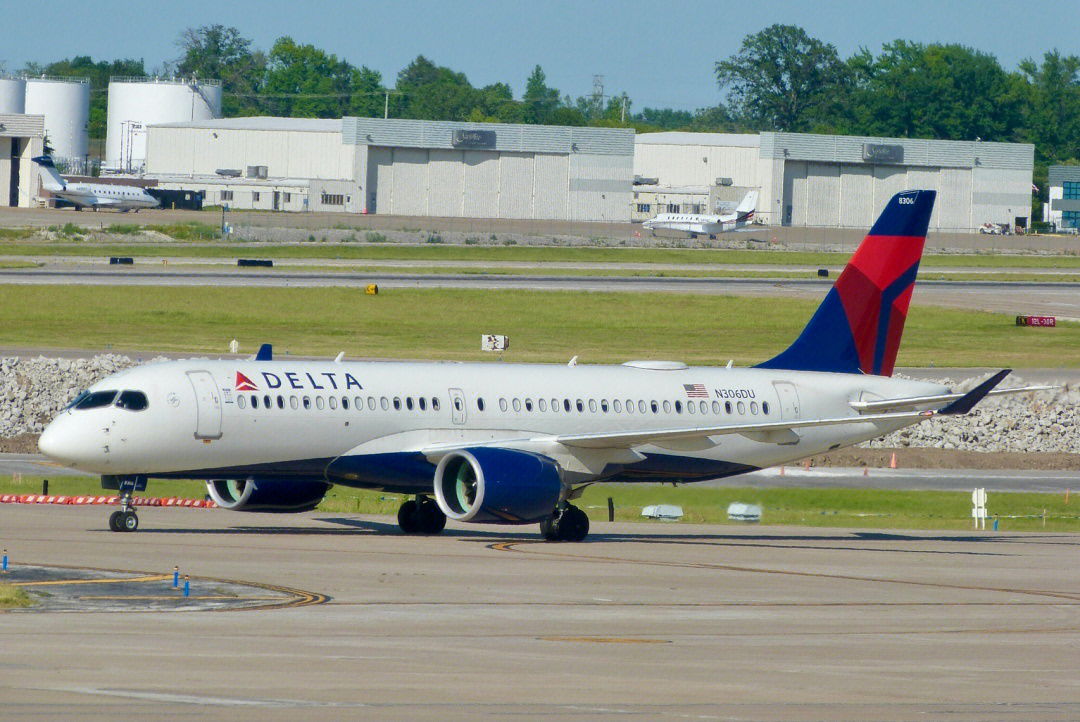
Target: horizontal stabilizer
[{"x": 967, "y": 402}]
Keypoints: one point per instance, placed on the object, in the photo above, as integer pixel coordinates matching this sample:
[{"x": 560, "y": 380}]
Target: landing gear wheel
[
  {"x": 128, "y": 521},
  {"x": 569, "y": 524},
  {"x": 430, "y": 517},
  {"x": 408, "y": 518},
  {"x": 114, "y": 521}
]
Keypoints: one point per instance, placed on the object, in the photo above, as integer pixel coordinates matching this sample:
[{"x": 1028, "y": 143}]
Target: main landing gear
[
  {"x": 422, "y": 516},
  {"x": 567, "y": 523},
  {"x": 125, "y": 519}
]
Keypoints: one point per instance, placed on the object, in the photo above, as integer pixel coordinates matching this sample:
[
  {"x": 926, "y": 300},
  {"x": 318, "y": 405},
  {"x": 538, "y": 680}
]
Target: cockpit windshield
[
  {"x": 93, "y": 400},
  {"x": 132, "y": 400}
]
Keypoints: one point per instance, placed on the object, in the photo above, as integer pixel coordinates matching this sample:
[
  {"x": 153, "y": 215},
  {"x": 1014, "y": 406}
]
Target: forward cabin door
[
  {"x": 208, "y": 404},
  {"x": 457, "y": 406},
  {"x": 789, "y": 400}
]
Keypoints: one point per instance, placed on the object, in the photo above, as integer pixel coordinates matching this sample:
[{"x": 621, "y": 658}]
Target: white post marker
[
  {"x": 978, "y": 511},
  {"x": 234, "y": 346},
  {"x": 491, "y": 342}
]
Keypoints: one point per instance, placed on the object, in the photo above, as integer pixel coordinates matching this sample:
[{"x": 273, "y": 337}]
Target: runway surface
[
  {"x": 1047, "y": 298},
  {"x": 643, "y": 621}
]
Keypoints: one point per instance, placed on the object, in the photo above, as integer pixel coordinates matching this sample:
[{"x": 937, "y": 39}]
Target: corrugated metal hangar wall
[
  {"x": 469, "y": 170},
  {"x": 845, "y": 181}
]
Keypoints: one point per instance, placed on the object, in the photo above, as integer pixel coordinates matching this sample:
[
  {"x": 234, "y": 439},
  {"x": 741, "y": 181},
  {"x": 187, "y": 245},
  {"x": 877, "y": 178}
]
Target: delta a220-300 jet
[{"x": 513, "y": 443}]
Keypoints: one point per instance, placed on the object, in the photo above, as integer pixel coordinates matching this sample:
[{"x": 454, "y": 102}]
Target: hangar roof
[
  {"x": 310, "y": 125},
  {"x": 728, "y": 140}
]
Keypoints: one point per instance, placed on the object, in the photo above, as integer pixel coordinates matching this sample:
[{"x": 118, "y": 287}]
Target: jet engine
[
  {"x": 255, "y": 494},
  {"x": 497, "y": 486}
]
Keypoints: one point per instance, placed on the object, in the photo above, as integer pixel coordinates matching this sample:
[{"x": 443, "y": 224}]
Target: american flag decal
[{"x": 696, "y": 391}]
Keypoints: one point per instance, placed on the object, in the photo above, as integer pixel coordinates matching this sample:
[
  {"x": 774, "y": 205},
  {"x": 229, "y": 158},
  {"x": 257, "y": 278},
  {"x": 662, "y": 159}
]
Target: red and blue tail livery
[{"x": 857, "y": 328}]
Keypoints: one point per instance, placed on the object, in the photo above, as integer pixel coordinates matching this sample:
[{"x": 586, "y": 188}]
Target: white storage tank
[
  {"x": 135, "y": 103},
  {"x": 12, "y": 94},
  {"x": 65, "y": 103}
]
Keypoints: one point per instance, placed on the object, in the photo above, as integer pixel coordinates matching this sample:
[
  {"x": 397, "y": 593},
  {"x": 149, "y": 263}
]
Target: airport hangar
[
  {"x": 399, "y": 167},
  {"x": 832, "y": 181},
  {"x": 21, "y": 138}
]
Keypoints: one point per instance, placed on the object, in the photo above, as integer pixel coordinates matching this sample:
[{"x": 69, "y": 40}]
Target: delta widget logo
[{"x": 243, "y": 383}]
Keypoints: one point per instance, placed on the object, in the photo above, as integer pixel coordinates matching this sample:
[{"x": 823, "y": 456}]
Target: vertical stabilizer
[
  {"x": 857, "y": 328},
  {"x": 50, "y": 178}
]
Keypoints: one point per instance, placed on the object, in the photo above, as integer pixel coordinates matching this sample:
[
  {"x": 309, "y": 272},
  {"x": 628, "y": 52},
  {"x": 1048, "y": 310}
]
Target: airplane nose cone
[{"x": 50, "y": 442}]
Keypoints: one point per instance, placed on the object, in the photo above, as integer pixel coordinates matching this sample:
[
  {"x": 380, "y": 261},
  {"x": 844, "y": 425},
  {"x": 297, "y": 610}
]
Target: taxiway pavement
[{"x": 665, "y": 621}]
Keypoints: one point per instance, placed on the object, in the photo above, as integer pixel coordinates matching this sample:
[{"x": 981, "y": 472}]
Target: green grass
[
  {"x": 378, "y": 249},
  {"x": 12, "y": 234},
  {"x": 547, "y": 326},
  {"x": 13, "y": 597},
  {"x": 848, "y": 508}
]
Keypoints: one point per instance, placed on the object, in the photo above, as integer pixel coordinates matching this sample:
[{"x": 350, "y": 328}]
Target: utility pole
[
  {"x": 623, "y": 119},
  {"x": 386, "y": 106}
]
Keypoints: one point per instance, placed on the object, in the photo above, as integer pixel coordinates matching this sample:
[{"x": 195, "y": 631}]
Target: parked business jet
[
  {"x": 694, "y": 223},
  {"x": 513, "y": 443},
  {"x": 93, "y": 195}
]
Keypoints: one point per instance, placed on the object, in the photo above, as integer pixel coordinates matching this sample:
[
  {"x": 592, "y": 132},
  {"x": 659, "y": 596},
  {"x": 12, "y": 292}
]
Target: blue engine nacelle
[
  {"x": 497, "y": 486},
  {"x": 255, "y": 494}
]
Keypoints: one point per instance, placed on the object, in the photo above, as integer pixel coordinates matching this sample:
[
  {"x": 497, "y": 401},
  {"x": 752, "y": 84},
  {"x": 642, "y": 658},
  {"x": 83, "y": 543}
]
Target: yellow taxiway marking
[
  {"x": 54, "y": 582},
  {"x": 138, "y": 597}
]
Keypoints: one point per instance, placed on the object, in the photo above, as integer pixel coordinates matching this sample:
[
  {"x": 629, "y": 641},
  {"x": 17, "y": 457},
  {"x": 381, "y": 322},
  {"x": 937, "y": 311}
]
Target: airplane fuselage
[
  {"x": 339, "y": 422},
  {"x": 104, "y": 195}
]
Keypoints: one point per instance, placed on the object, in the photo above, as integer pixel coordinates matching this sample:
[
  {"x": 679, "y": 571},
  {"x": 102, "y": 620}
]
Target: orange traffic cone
[{"x": 892, "y": 461}]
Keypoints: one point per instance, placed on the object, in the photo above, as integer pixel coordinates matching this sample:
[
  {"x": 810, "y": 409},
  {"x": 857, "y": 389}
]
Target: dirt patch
[
  {"x": 917, "y": 458},
  {"x": 21, "y": 444}
]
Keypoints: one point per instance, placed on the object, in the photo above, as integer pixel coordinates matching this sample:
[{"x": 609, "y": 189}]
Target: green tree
[
  {"x": 431, "y": 92},
  {"x": 221, "y": 53},
  {"x": 539, "y": 100},
  {"x": 367, "y": 93},
  {"x": 1052, "y": 115},
  {"x": 303, "y": 81},
  {"x": 782, "y": 79}
]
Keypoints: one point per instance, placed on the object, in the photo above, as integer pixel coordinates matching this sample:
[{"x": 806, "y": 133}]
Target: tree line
[{"x": 780, "y": 79}]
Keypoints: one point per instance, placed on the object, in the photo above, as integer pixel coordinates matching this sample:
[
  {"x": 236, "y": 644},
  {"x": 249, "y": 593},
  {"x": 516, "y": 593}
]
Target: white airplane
[
  {"x": 694, "y": 223},
  {"x": 513, "y": 443},
  {"x": 93, "y": 195}
]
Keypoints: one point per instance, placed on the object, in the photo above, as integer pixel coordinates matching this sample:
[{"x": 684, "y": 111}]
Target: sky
[{"x": 662, "y": 54}]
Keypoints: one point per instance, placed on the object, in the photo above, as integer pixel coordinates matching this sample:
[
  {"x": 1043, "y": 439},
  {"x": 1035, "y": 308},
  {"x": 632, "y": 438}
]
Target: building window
[
  {"x": 695, "y": 208},
  {"x": 1070, "y": 219},
  {"x": 329, "y": 199},
  {"x": 255, "y": 196},
  {"x": 1070, "y": 190},
  {"x": 287, "y": 197},
  {"x": 644, "y": 207},
  {"x": 226, "y": 195},
  {"x": 673, "y": 208}
]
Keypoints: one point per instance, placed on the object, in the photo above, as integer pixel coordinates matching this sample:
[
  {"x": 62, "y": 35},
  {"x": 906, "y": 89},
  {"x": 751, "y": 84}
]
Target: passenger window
[
  {"x": 408, "y": 403},
  {"x": 742, "y": 407},
  {"x": 690, "y": 407},
  {"x": 542, "y": 403},
  {"x": 254, "y": 401},
  {"x": 345, "y": 403},
  {"x": 384, "y": 403},
  {"x": 528, "y": 404},
  {"x": 566, "y": 405},
  {"x": 641, "y": 406},
  {"x": 358, "y": 404},
  {"x": 592, "y": 405},
  {"x": 617, "y": 405},
  {"x": 555, "y": 405},
  {"x": 397, "y": 403},
  {"x": 753, "y": 408},
  {"x": 727, "y": 406},
  {"x": 502, "y": 404},
  {"x": 580, "y": 406},
  {"x": 517, "y": 404},
  {"x": 294, "y": 403},
  {"x": 268, "y": 403},
  {"x": 479, "y": 404},
  {"x": 423, "y": 403},
  {"x": 667, "y": 407},
  {"x": 333, "y": 402},
  {"x": 319, "y": 403},
  {"x": 678, "y": 407},
  {"x": 241, "y": 401},
  {"x": 370, "y": 403},
  {"x": 704, "y": 407},
  {"x": 630, "y": 406},
  {"x": 765, "y": 407},
  {"x": 655, "y": 407},
  {"x": 132, "y": 400},
  {"x": 435, "y": 403},
  {"x": 281, "y": 402},
  {"x": 603, "y": 405},
  {"x": 307, "y": 403}
]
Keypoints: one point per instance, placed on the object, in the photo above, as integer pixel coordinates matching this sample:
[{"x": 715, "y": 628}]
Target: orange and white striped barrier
[{"x": 105, "y": 500}]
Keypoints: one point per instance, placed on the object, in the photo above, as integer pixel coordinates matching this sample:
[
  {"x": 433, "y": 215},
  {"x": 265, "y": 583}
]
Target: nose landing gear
[{"x": 125, "y": 519}]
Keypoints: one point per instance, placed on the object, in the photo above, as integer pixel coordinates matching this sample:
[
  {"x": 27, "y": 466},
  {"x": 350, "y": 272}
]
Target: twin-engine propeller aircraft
[
  {"x": 93, "y": 195},
  {"x": 695, "y": 223},
  {"x": 513, "y": 443}
]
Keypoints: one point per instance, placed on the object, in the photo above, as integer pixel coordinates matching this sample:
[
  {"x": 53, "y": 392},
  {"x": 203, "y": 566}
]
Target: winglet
[
  {"x": 967, "y": 402},
  {"x": 266, "y": 353}
]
